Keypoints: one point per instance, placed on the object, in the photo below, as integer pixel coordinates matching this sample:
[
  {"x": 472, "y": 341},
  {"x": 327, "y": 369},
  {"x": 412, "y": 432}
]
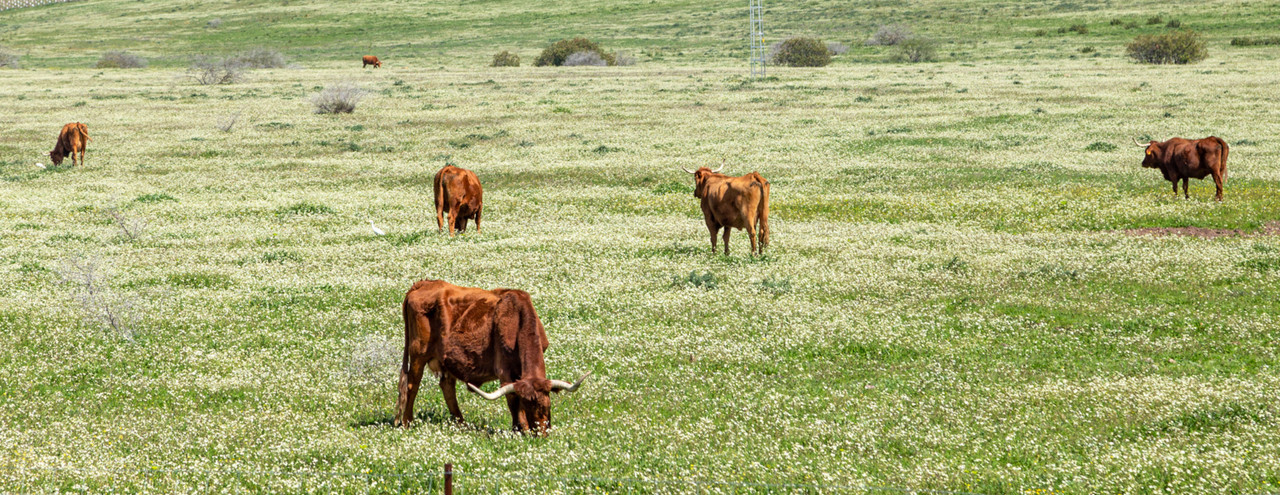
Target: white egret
[{"x": 375, "y": 228}]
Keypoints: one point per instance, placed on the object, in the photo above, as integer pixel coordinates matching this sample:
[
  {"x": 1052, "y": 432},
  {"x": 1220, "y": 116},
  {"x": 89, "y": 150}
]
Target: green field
[{"x": 955, "y": 297}]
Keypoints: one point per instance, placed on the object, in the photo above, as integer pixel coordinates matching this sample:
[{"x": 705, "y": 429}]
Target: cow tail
[
  {"x": 764, "y": 216},
  {"x": 1224, "y": 157},
  {"x": 409, "y": 323}
]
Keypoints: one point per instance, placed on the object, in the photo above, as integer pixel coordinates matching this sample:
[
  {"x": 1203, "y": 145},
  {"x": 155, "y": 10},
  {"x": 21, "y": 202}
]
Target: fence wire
[
  {"x": 18, "y": 4},
  {"x": 469, "y": 482}
]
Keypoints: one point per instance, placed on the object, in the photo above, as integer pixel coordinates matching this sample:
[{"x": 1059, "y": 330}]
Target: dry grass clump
[
  {"x": 585, "y": 59},
  {"x": 212, "y": 71},
  {"x": 338, "y": 98},
  {"x": 119, "y": 59},
  {"x": 890, "y": 35}
]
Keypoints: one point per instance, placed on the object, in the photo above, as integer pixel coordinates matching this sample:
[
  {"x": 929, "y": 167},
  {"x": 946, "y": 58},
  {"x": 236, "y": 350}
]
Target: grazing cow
[
  {"x": 477, "y": 336},
  {"x": 371, "y": 60},
  {"x": 458, "y": 192},
  {"x": 1181, "y": 159},
  {"x": 73, "y": 139},
  {"x": 733, "y": 203}
]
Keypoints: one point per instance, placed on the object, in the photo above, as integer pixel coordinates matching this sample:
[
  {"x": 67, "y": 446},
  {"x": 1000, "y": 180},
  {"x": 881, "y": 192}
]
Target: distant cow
[
  {"x": 458, "y": 192},
  {"x": 371, "y": 60},
  {"x": 73, "y": 139},
  {"x": 1181, "y": 159},
  {"x": 477, "y": 336},
  {"x": 733, "y": 202}
]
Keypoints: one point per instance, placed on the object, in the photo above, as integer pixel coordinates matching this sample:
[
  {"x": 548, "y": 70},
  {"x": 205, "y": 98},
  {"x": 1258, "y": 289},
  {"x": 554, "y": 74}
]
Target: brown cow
[
  {"x": 73, "y": 138},
  {"x": 371, "y": 60},
  {"x": 733, "y": 202},
  {"x": 1181, "y": 159},
  {"x": 458, "y": 191},
  {"x": 477, "y": 336}
]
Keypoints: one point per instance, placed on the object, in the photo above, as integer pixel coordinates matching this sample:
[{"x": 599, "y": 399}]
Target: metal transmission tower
[{"x": 758, "y": 50}]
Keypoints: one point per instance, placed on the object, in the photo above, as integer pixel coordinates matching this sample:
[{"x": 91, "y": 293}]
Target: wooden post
[{"x": 448, "y": 479}]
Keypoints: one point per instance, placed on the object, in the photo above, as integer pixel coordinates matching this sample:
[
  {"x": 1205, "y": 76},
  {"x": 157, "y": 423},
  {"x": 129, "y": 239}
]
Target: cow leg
[
  {"x": 715, "y": 229},
  {"x": 453, "y": 219},
  {"x": 1175, "y": 188},
  {"x": 410, "y": 382},
  {"x": 1217, "y": 181},
  {"x": 518, "y": 421},
  {"x": 727, "y": 229},
  {"x": 1186, "y": 181},
  {"x": 448, "y": 387},
  {"x": 478, "y": 221},
  {"x": 751, "y": 234}
]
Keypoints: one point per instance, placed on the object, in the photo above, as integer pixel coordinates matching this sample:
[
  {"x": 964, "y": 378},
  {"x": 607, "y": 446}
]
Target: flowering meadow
[{"x": 956, "y": 295}]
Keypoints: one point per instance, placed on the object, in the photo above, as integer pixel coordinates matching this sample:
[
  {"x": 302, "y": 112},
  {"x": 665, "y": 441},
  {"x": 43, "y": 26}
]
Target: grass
[{"x": 948, "y": 300}]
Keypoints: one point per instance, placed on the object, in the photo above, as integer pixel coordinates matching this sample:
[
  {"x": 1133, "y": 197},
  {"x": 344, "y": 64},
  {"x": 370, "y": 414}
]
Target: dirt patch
[{"x": 1268, "y": 229}]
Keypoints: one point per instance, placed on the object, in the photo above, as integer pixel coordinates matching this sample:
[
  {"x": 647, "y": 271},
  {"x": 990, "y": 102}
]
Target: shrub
[
  {"x": 1242, "y": 41},
  {"x": 209, "y": 70},
  {"x": 214, "y": 23},
  {"x": 584, "y": 58},
  {"x": 8, "y": 58},
  {"x": 1087, "y": 49},
  {"x": 338, "y": 98},
  {"x": 261, "y": 58},
  {"x": 560, "y": 50},
  {"x": 98, "y": 304},
  {"x": 1180, "y": 47},
  {"x": 916, "y": 49},
  {"x": 506, "y": 59},
  {"x": 1155, "y": 20},
  {"x": 1041, "y": 33},
  {"x": 1131, "y": 25},
  {"x": 120, "y": 60},
  {"x": 1174, "y": 23},
  {"x": 890, "y": 35},
  {"x": 1117, "y": 22},
  {"x": 837, "y": 48},
  {"x": 800, "y": 52},
  {"x": 1079, "y": 29},
  {"x": 625, "y": 59}
]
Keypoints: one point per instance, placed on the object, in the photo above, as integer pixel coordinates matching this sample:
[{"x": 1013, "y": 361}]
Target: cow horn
[
  {"x": 558, "y": 385},
  {"x": 501, "y": 391},
  {"x": 716, "y": 171},
  {"x": 1140, "y": 145},
  {"x": 686, "y": 170}
]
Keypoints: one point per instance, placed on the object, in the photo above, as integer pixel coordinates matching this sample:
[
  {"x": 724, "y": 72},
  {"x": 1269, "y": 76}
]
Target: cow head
[
  {"x": 1152, "y": 159},
  {"x": 700, "y": 177},
  {"x": 56, "y": 157},
  {"x": 531, "y": 409}
]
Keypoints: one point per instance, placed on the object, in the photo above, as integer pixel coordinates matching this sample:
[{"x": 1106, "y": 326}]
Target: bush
[
  {"x": 209, "y": 70},
  {"x": 625, "y": 59},
  {"x": 1117, "y": 22},
  {"x": 214, "y": 23},
  {"x": 261, "y": 58},
  {"x": 1131, "y": 25},
  {"x": 338, "y": 98},
  {"x": 1079, "y": 29},
  {"x": 8, "y": 58},
  {"x": 1180, "y": 47},
  {"x": 584, "y": 58},
  {"x": 837, "y": 48},
  {"x": 800, "y": 52},
  {"x": 1087, "y": 49},
  {"x": 1041, "y": 33},
  {"x": 560, "y": 50},
  {"x": 890, "y": 35},
  {"x": 1242, "y": 41},
  {"x": 120, "y": 60},
  {"x": 1155, "y": 20},
  {"x": 1174, "y": 24},
  {"x": 506, "y": 59},
  {"x": 916, "y": 49}
]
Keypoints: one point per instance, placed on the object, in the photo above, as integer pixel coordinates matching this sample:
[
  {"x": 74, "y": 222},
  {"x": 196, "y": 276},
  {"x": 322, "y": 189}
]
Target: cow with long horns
[
  {"x": 477, "y": 336},
  {"x": 733, "y": 203},
  {"x": 1183, "y": 159}
]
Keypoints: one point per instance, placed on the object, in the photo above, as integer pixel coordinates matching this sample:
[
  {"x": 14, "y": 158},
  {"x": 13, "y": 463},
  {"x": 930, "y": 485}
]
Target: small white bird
[
  {"x": 375, "y": 228},
  {"x": 41, "y": 165}
]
